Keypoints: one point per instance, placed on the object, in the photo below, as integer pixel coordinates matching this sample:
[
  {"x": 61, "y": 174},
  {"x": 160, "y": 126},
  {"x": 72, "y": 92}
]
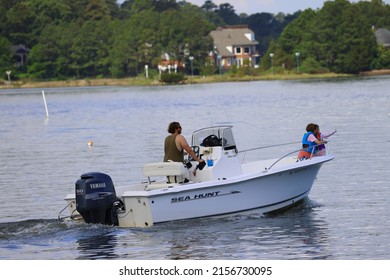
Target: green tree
[
  {"x": 51, "y": 57},
  {"x": 209, "y": 6},
  {"x": 383, "y": 58},
  {"x": 268, "y": 27},
  {"x": 227, "y": 13},
  {"x": 338, "y": 37},
  {"x": 43, "y": 55},
  {"x": 349, "y": 41},
  {"x": 5, "y": 56},
  {"x": 376, "y": 11},
  {"x": 147, "y": 34},
  {"x": 27, "y": 18},
  {"x": 185, "y": 33},
  {"x": 135, "y": 40},
  {"x": 97, "y": 10},
  {"x": 211, "y": 12},
  {"x": 20, "y": 19},
  {"x": 296, "y": 35},
  {"x": 90, "y": 49}
]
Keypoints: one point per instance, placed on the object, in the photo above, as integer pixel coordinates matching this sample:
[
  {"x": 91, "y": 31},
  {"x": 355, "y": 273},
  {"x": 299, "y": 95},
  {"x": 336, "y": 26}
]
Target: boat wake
[
  {"x": 78, "y": 240},
  {"x": 47, "y": 228},
  {"x": 28, "y": 228}
]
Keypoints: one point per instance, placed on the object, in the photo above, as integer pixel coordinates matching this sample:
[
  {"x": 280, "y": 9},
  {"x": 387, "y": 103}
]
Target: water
[{"x": 345, "y": 217}]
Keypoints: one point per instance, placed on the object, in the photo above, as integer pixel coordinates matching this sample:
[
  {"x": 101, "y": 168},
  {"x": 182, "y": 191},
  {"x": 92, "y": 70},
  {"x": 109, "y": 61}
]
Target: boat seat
[
  {"x": 175, "y": 171},
  {"x": 156, "y": 186}
]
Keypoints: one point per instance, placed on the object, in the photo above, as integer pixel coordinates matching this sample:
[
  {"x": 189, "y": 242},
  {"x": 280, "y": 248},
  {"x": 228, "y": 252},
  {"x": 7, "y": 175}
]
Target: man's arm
[{"x": 184, "y": 145}]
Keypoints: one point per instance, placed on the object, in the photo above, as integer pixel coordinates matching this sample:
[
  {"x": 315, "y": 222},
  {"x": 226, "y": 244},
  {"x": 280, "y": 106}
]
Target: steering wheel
[{"x": 196, "y": 150}]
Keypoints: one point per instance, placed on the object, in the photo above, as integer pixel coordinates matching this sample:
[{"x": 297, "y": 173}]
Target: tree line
[
  {"x": 101, "y": 38},
  {"x": 339, "y": 37}
]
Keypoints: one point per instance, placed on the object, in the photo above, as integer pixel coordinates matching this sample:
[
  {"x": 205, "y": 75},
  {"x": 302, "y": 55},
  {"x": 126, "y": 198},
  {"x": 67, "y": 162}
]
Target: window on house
[
  {"x": 247, "y": 50},
  {"x": 238, "y": 50}
]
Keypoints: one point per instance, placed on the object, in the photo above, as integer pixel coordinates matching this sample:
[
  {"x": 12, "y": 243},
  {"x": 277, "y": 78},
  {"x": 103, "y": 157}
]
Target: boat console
[{"x": 215, "y": 145}]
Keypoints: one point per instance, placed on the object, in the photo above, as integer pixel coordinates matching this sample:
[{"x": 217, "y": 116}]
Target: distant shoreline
[
  {"x": 376, "y": 72},
  {"x": 137, "y": 81}
]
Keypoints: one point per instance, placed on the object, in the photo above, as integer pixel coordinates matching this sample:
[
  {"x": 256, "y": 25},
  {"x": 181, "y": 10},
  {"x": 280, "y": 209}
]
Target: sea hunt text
[{"x": 195, "y": 196}]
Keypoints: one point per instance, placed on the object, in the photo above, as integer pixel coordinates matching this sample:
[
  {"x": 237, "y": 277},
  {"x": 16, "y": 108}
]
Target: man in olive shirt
[{"x": 175, "y": 145}]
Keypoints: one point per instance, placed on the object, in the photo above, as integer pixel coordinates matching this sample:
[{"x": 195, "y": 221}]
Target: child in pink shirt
[{"x": 321, "y": 137}]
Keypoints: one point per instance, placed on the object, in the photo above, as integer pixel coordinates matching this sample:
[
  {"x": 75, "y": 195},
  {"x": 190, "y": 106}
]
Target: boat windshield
[{"x": 214, "y": 136}]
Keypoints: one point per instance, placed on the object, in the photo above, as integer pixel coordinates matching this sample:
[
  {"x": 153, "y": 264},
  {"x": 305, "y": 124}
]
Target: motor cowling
[{"x": 96, "y": 198}]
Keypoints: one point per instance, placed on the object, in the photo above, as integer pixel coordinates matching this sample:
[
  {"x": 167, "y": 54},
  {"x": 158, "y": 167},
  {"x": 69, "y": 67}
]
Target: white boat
[{"x": 224, "y": 186}]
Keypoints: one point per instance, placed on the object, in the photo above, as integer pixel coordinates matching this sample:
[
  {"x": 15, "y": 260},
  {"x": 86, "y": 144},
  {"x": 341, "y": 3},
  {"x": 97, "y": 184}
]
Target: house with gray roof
[
  {"x": 383, "y": 37},
  {"x": 20, "y": 54},
  {"x": 233, "y": 45}
]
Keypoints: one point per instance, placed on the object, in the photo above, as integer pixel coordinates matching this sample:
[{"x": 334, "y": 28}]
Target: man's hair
[{"x": 172, "y": 127}]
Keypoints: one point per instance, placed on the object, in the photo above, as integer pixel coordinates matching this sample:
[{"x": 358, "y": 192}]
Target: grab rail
[
  {"x": 327, "y": 150},
  {"x": 265, "y": 147},
  {"x": 311, "y": 154},
  {"x": 269, "y": 146}
]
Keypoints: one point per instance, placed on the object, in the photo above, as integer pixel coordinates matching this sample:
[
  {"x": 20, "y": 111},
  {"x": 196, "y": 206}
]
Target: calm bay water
[{"x": 345, "y": 217}]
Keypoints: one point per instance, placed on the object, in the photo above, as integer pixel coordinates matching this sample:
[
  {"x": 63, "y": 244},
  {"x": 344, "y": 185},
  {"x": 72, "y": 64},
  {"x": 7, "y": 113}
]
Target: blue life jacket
[{"x": 307, "y": 145}]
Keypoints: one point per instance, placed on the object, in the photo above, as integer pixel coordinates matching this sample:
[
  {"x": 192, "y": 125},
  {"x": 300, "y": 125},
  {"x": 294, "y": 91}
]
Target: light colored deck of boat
[
  {"x": 262, "y": 165},
  {"x": 121, "y": 189}
]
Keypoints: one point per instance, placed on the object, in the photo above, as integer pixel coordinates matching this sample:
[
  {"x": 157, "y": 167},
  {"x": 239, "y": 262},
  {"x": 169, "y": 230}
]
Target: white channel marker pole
[{"x": 44, "y": 101}]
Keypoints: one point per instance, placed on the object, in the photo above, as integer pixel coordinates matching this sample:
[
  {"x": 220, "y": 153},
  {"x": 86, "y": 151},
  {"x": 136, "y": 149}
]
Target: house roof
[
  {"x": 231, "y": 37},
  {"x": 383, "y": 36},
  {"x": 19, "y": 49}
]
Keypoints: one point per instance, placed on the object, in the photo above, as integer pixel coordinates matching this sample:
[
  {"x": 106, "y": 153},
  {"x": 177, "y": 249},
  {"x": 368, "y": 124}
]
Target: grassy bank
[
  {"x": 142, "y": 81},
  {"x": 78, "y": 83}
]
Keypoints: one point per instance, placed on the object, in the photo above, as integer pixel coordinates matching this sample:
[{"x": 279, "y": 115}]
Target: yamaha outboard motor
[{"x": 96, "y": 199}]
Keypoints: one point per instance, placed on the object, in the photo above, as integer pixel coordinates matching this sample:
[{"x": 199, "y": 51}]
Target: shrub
[
  {"x": 172, "y": 78},
  {"x": 208, "y": 70},
  {"x": 311, "y": 66}
]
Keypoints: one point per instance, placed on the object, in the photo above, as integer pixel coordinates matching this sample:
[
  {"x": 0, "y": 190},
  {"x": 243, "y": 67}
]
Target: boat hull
[{"x": 261, "y": 192}]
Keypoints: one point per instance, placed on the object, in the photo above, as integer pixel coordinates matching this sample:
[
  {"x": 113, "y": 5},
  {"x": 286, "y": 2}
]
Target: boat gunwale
[{"x": 179, "y": 188}]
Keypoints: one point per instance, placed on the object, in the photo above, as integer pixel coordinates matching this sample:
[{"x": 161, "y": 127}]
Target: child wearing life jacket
[{"x": 310, "y": 142}]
